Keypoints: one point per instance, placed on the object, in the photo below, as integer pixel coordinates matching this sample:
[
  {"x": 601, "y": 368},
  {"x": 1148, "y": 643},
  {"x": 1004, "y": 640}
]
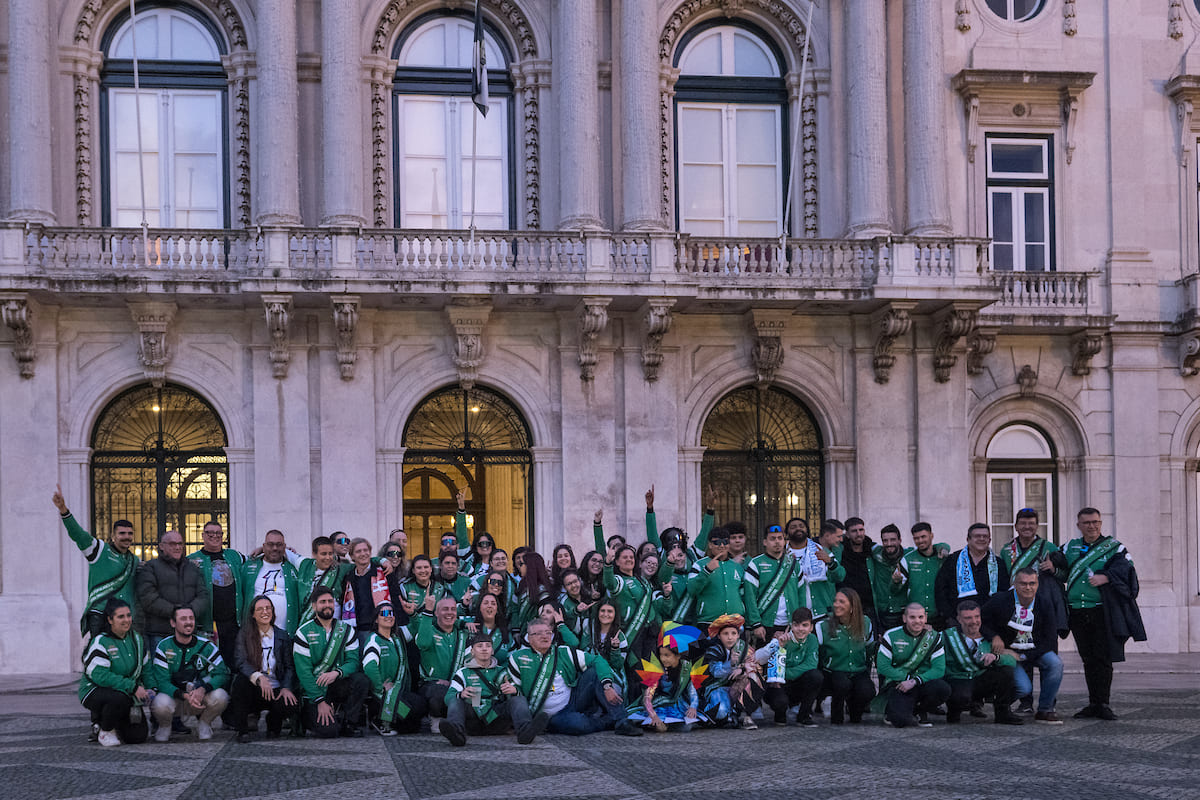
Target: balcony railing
[
  {"x": 819, "y": 263},
  {"x": 1034, "y": 292},
  {"x": 123, "y": 250},
  {"x": 487, "y": 253}
]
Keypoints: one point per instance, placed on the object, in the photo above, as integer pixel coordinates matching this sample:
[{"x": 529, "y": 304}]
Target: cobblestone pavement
[{"x": 1153, "y": 751}]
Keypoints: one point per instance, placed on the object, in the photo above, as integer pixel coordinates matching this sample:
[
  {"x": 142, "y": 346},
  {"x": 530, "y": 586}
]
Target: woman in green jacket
[
  {"x": 113, "y": 687},
  {"x": 385, "y": 663},
  {"x": 631, "y": 594},
  {"x": 844, "y": 656}
]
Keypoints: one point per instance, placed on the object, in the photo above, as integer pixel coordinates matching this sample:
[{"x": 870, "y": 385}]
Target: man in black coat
[
  {"x": 166, "y": 583},
  {"x": 974, "y": 572}
]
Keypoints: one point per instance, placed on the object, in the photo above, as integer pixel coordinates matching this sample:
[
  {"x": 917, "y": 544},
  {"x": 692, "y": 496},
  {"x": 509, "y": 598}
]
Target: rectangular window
[
  {"x": 1020, "y": 199},
  {"x": 730, "y": 169},
  {"x": 1009, "y": 492}
]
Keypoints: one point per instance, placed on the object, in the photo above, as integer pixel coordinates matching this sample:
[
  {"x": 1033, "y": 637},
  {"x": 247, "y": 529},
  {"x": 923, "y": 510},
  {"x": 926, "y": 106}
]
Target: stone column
[
  {"x": 578, "y": 101},
  {"x": 341, "y": 102},
  {"x": 277, "y": 134},
  {"x": 30, "y": 196},
  {"x": 866, "y": 122},
  {"x": 925, "y": 121},
  {"x": 639, "y": 92}
]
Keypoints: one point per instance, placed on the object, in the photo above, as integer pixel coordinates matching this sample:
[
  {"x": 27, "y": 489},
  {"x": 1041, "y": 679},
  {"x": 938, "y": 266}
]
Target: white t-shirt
[
  {"x": 558, "y": 696},
  {"x": 270, "y": 582},
  {"x": 268, "y": 658}
]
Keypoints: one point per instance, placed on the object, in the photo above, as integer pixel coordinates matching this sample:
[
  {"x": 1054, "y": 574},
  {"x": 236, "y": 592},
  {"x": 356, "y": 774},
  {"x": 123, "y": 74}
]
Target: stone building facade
[{"x": 901, "y": 260}]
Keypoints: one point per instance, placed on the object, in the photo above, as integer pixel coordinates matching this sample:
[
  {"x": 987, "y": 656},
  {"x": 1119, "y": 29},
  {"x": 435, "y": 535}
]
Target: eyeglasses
[
  {"x": 496, "y": 581},
  {"x": 393, "y": 554},
  {"x": 486, "y": 543},
  {"x": 774, "y": 529},
  {"x": 385, "y": 612},
  {"x": 718, "y": 542},
  {"x": 341, "y": 541}
]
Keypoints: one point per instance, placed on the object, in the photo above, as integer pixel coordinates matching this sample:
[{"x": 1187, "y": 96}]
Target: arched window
[
  {"x": 731, "y": 122},
  {"x": 764, "y": 457},
  {"x": 437, "y": 128},
  {"x": 182, "y": 103},
  {"x": 1021, "y": 474},
  {"x": 474, "y": 440},
  {"x": 158, "y": 460},
  {"x": 1016, "y": 10}
]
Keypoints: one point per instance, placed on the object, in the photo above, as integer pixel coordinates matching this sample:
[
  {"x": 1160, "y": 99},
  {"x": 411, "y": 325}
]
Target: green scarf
[
  {"x": 1095, "y": 556},
  {"x": 637, "y": 620},
  {"x": 543, "y": 679},
  {"x": 102, "y": 591},
  {"x": 326, "y": 580},
  {"x": 1022, "y": 560},
  {"x": 333, "y": 647},
  {"x": 770, "y": 596},
  {"x": 958, "y": 648}
]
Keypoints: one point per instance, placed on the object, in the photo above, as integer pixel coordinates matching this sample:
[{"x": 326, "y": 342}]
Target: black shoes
[
  {"x": 532, "y": 729},
  {"x": 454, "y": 734},
  {"x": 243, "y": 738},
  {"x": 627, "y": 728}
]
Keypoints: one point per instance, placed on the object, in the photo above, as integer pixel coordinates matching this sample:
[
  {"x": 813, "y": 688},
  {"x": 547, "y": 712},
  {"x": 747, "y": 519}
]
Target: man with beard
[
  {"x": 855, "y": 556},
  {"x": 975, "y": 671},
  {"x": 190, "y": 677},
  {"x": 111, "y": 567},
  {"x": 921, "y": 564},
  {"x": 889, "y": 582},
  {"x": 325, "y": 652},
  {"x": 322, "y": 569},
  {"x": 823, "y": 574},
  {"x": 273, "y": 575},
  {"x": 772, "y": 587},
  {"x": 975, "y": 572}
]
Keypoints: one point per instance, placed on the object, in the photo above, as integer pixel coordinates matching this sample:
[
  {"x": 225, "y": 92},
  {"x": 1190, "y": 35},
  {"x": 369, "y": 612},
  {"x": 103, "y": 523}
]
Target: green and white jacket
[
  {"x": 110, "y": 574},
  {"x": 317, "y": 651},
  {"x": 113, "y": 663},
  {"x": 533, "y": 673},
  {"x": 198, "y": 662}
]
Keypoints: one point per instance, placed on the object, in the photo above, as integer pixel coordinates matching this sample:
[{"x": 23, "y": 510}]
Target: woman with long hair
[
  {"x": 114, "y": 679},
  {"x": 534, "y": 591},
  {"x": 395, "y": 550},
  {"x": 575, "y": 608},
  {"x": 630, "y": 592},
  {"x": 497, "y": 582},
  {"x": 673, "y": 601},
  {"x": 601, "y": 635},
  {"x": 491, "y": 618},
  {"x": 562, "y": 560},
  {"x": 591, "y": 572},
  {"x": 844, "y": 656},
  {"x": 395, "y": 707},
  {"x": 264, "y": 676},
  {"x": 420, "y": 582}
]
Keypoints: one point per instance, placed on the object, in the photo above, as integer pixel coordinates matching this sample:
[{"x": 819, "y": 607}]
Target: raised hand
[
  {"x": 461, "y": 498},
  {"x": 650, "y": 498},
  {"x": 59, "y": 502},
  {"x": 599, "y": 517}
]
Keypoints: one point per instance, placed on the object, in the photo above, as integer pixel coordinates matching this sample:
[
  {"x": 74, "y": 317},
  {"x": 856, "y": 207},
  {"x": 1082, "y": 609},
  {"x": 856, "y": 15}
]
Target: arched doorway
[
  {"x": 475, "y": 440},
  {"x": 158, "y": 460},
  {"x": 763, "y": 457},
  {"x": 1021, "y": 473}
]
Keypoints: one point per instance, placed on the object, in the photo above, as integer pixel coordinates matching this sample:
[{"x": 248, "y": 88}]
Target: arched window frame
[
  {"x": 173, "y": 75},
  {"x": 454, "y": 82},
  {"x": 1019, "y": 471},
  {"x": 732, "y": 91}
]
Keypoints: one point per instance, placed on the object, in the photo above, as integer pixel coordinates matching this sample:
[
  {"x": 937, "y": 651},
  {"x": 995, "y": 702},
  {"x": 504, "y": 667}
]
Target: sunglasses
[
  {"x": 393, "y": 554},
  {"x": 486, "y": 543},
  {"x": 496, "y": 581},
  {"x": 341, "y": 541},
  {"x": 718, "y": 542},
  {"x": 774, "y": 529},
  {"x": 385, "y": 612}
]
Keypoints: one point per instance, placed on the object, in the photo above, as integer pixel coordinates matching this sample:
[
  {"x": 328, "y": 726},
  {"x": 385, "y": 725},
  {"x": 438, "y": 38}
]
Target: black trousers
[
  {"x": 347, "y": 695},
  {"x": 995, "y": 683},
  {"x": 461, "y": 715},
  {"x": 411, "y": 723},
  {"x": 902, "y": 707},
  {"x": 1091, "y": 638},
  {"x": 435, "y": 697},
  {"x": 802, "y": 690},
  {"x": 245, "y": 698},
  {"x": 848, "y": 689},
  {"x": 111, "y": 709}
]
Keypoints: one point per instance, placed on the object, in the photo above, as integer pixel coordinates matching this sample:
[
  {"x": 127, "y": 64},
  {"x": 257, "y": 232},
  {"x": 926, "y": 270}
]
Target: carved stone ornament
[
  {"x": 278, "y": 308},
  {"x": 468, "y": 317},
  {"x": 962, "y": 15},
  {"x": 889, "y": 324},
  {"x": 153, "y": 320},
  {"x": 18, "y": 317},
  {"x": 1027, "y": 379},
  {"x": 1084, "y": 346},
  {"x": 1189, "y": 354},
  {"x": 1175, "y": 19},
  {"x": 1070, "y": 24},
  {"x": 951, "y": 324},
  {"x": 345, "y": 323},
  {"x": 658, "y": 322},
  {"x": 766, "y": 356},
  {"x": 979, "y": 345},
  {"x": 593, "y": 318}
]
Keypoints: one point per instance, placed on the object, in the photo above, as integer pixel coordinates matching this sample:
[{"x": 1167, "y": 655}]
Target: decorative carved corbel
[
  {"x": 345, "y": 322},
  {"x": 980, "y": 344},
  {"x": 1175, "y": 19},
  {"x": 972, "y": 126},
  {"x": 18, "y": 317},
  {"x": 152, "y": 320},
  {"x": 658, "y": 322},
  {"x": 1070, "y": 103},
  {"x": 1084, "y": 346},
  {"x": 1189, "y": 353},
  {"x": 278, "y": 308},
  {"x": 889, "y": 324},
  {"x": 962, "y": 15},
  {"x": 593, "y": 318},
  {"x": 1183, "y": 110},
  {"x": 1027, "y": 379},
  {"x": 1070, "y": 24},
  {"x": 469, "y": 317},
  {"x": 767, "y": 353},
  {"x": 950, "y": 324}
]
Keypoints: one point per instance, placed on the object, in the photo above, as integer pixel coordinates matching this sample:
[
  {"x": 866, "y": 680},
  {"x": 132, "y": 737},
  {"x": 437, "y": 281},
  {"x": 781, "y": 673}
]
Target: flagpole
[
  {"x": 474, "y": 163},
  {"x": 797, "y": 126},
  {"x": 137, "y": 112}
]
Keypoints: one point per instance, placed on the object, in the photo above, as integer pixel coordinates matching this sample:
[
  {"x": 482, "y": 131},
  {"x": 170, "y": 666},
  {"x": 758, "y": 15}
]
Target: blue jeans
[
  {"x": 588, "y": 710},
  {"x": 1051, "y": 667}
]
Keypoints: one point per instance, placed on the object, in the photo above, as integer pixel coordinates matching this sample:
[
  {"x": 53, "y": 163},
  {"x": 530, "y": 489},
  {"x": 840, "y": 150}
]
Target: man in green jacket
[
  {"x": 273, "y": 575},
  {"x": 481, "y": 699},
  {"x": 974, "y": 672},
  {"x": 442, "y": 640},
  {"x": 222, "y": 570},
  {"x": 717, "y": 582},
  {"x": 772, "y": 589},
  {"x": 190, "y": 677},
  {"x": 888, "y": 581},
  {"x": 111, "y": 566},
  {"x": 325, "y": 651},
  {"x": 921, "y": 563},
  {"x": 911, "y": 663}
]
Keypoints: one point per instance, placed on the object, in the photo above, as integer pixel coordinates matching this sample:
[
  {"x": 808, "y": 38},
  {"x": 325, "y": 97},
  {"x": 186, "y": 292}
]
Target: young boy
[
  {"x": 801, "y": 678},
  {"x": 481, "y": 696}
]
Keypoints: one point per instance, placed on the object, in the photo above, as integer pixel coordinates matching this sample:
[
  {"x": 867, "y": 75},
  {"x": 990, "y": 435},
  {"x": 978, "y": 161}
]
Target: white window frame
[
  {"x": 1045, "y": 521},
  {"x": 1021, "y": 185},
  {"x": 1010, "y": 14}
]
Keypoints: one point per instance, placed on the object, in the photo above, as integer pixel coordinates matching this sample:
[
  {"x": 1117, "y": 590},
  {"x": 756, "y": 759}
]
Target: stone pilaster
[
  {"x": 342, "y": 114},
  {"x": 579, "y": 115},
  {"x": 29, "y": 158},
  {"x": 866, "y": 123},
  {"x": 277, "y": 135},
  {"x": 639, "y": 97},
  {"x": 925, "y": 121}
]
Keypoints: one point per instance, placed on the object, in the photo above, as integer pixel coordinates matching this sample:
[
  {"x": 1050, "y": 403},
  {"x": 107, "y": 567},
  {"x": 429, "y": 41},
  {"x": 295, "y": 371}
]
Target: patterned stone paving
[{"x": 1152, "y": 752}]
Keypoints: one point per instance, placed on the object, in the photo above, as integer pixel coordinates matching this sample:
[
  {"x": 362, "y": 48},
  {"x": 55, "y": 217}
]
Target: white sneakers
[
  {"x": 163, "y": 734},
  {"x": 110, "y": 739},
  {"x": 203, "y": 731}
]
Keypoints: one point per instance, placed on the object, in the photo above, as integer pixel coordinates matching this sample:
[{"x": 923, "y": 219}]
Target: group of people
[{"x": 662, "y": 635}]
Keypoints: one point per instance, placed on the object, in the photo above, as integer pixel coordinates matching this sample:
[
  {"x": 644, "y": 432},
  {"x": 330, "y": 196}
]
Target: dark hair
[
  {"x": 562, "y": 578},
  {"x": 495, "y": 551},
  {"x": 175, "y": 611},
  {"x": 801, "y": 520},
  {"x": 856, "y": 623},
  {"x": 593, "y": 587},
  {"x": 319, "y": 592},
  {"x": 966, "y": 605},
  {"x": 448, "y": 552},
  {"x": 1026, "y": 571},
  {"x": 802, "y": 614},
  {"x": 124, "y": 523},
  {"x": 922, "y": 526},
  {"x": 1026, "y": 513},
  {"x": 735, "y": 528},
  {"x": 617, "y": 556},
  {"x": 831, "y": 526},
  {"x": 501, "y": 614},
  {"x": 556, "y": 572},
  {"x": 674, "y": 533},
  {"x": 978, "y": 526},
  {"x": 111, "y": 608},
  {"x": 251, "y": 641},
  {"x": 602, "y": 645},
  {"x": 641, "y": 550},
  {"x": 616, "y": 536},
  {"x": 535, "y": 584},
  {"x": 483, "y": 588},
  {"x": 333, "y": 535},
  {"x": 319, "y": 541},
  {"x": 520, "y": 551},
  {"x": 889, "y": 528},
  {"x": 1087, "y": 511},
  {"x": 375, "y": 621},
  {"x": 412, "y": 564},
  {"x": 852, "y": 521}
]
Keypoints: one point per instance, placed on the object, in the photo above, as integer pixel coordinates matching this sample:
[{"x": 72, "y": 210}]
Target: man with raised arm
[
  {"x": 111, "y": 566},
  {"x": 326, "y": 655},
  {"x": 693, "y": 551}
]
